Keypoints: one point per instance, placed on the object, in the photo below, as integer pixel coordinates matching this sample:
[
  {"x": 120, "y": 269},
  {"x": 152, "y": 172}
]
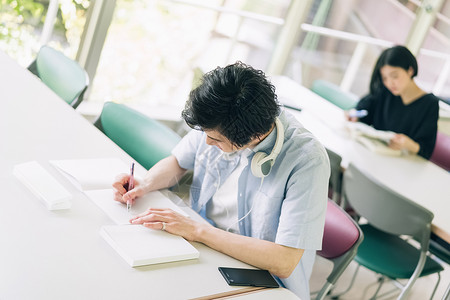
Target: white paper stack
[{"x": 43, "y": 185}]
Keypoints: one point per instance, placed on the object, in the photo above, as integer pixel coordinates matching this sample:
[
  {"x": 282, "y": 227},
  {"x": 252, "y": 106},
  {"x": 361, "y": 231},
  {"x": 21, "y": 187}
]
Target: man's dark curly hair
[{"x": 238, "y": 101}]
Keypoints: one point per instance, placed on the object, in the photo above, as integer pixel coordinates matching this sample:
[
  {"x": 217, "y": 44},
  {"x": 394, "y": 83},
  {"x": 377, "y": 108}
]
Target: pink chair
[
  {"x": 441, "y": 152},
  {"x": 341, "y": 238}
]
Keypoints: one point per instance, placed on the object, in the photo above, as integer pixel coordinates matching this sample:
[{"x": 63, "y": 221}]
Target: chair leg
[
  {"x": 436, "y": 286},
  {"x": 388, "y": 294},
  {"x": 381, "y": 281},
  {"x": 336, "y": 296},
  {"x": 446, "y": 294},
  {"x": 324, "y": 291}
]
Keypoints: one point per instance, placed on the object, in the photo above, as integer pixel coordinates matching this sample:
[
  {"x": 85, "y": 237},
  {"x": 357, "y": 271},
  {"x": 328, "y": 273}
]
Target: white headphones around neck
[{"x": 261, "y": 162}]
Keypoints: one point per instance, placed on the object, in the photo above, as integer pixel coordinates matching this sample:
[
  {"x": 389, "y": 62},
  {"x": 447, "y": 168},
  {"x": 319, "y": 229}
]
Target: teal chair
[
  {"x": 334, "y": 94},
  {"x": 61, "y": 74},
  {"x": 393, "y": 223},
  {"x": 144, "y": 139}
]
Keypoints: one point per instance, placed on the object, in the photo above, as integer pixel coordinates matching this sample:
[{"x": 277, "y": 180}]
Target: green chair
[
  {"x": 396, "y": 235},
  {"x": 144, "y": 139},
  {"x": 61, "y": 74},
  {"x": 334, "y": 94}
]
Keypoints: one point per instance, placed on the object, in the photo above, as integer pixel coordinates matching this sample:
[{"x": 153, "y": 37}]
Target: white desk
[
  {"x": 60, "y": 254},
  {"x": 266, "y": 294},
  {"x": 411, "y": 176}
]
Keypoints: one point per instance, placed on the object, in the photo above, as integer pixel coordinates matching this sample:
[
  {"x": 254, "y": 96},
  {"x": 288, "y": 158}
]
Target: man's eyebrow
[{"x": 213, "y": 138}]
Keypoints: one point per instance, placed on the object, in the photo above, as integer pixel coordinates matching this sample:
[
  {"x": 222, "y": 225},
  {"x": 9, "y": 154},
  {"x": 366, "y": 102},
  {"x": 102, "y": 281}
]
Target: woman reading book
[{"x": 395, "y": 103}]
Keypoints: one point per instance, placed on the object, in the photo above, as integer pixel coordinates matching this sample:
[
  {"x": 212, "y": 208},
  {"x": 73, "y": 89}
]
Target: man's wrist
[{"x": 202, "y": 232}]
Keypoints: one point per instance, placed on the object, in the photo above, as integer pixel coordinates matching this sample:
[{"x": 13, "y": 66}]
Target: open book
[
  {"x": 136, "y": 244},
  {"x": 118, "y": 211},
  {"x": 373, "y": 139},
  {"x": 95, "y": 177},
  {"x": 91, "y": 174}
]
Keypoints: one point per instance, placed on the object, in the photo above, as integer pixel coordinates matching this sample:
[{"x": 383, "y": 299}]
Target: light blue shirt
[{"x": 289, "y": 207}]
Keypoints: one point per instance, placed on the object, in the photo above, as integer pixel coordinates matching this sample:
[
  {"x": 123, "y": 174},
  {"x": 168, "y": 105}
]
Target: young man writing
[{"x": 259, "y": 178}]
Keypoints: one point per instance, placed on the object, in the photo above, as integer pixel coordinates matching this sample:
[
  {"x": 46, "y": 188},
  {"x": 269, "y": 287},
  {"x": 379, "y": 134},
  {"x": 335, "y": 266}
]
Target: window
[
  {"x": 22, "y": 30},
  {"x": 153, "y": 47}
]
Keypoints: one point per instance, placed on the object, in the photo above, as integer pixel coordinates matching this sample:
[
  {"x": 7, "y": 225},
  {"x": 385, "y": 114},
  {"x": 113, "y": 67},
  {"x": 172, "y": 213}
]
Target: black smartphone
[{"x": 248, "y": 277}]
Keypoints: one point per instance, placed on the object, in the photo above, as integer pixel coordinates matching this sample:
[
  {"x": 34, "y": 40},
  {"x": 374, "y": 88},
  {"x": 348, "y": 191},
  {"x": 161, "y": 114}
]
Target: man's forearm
[
  {"x": 166, "y": 173},
  {"x": 277, "y": 259}
]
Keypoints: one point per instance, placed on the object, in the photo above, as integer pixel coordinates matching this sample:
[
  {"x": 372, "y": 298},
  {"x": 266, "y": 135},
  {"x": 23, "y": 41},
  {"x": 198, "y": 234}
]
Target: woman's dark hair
[
  {"x": 237, "y": 101},
  {"x": 397, "y": 56}
]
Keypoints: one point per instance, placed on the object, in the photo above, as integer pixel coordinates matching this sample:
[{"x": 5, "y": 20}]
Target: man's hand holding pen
[{"x": 127, "y": 188}]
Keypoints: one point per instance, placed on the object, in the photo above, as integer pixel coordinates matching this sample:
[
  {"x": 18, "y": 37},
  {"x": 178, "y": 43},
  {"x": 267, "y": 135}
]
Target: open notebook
[
  {"x": 373, "y": 139},
  {"x": 118, "y": 211},
  {"x": 95, "y": 176},
  {"x": 91, "y": 174},
  {"x": 136, "y": 244}
]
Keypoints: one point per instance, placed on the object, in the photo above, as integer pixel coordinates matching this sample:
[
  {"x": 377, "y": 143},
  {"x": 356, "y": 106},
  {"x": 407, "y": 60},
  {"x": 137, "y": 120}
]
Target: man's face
[{"x": 214, "y": 138}]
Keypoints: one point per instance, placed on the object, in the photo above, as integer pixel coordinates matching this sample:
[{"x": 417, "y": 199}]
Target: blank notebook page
[
  {"x": 140, "y": 246},
  {"x": 118, "y": 211},
  {"x": 92, "y": 173}
]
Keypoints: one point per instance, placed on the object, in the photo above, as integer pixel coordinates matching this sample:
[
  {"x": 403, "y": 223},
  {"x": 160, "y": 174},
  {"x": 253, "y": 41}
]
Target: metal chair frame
[
  {"x": 391, "y": 213},
  {"x": 342, "y": 237}
]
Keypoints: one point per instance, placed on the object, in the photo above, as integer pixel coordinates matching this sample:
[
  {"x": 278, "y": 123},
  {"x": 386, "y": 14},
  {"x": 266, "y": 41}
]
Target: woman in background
[{"x": 397, "y": 104}]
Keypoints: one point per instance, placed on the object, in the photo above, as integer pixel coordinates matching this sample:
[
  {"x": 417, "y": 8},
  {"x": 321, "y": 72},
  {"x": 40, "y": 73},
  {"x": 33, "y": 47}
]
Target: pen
[
  {"x": 357, "y": 113},
  {"x": 130, "y": 184}
]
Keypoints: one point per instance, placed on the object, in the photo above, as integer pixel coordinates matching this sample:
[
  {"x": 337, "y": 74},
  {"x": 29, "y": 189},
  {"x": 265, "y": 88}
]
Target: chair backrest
[
  {"x": 146, "y": 140},
  {"x": 441, "y": 152},
  {"x": 341, "y": 239},
  {"x": 61, "y": 74},
  {"x": 334, "y": 94},
  {"x": 384, "y": 208},
  {"x": 336, "y": 174}
]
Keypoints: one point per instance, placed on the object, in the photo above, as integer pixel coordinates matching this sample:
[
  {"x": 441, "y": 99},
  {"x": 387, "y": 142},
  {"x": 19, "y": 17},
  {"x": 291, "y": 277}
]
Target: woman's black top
[{"x": 417, "y": 120}]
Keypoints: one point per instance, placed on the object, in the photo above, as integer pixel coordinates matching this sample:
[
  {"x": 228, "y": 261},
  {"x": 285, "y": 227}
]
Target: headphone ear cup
[
  {"x": 261, "y": 162},
  {"x": 263, "y": 170}
]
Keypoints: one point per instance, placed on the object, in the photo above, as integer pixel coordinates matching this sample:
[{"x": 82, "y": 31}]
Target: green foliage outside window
[{"x": 22, "y": 21}]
